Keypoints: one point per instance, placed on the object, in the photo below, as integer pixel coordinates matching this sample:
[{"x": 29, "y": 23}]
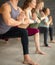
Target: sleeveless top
[
  {"x": 35, "y": 25},
  {"x": 14, "y": 13}
]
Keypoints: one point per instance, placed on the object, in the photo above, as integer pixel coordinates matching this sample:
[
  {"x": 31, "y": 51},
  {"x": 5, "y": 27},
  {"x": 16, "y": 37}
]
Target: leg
[
  {"x": 18, "y": 32},
  {"x": 35, "y": 32},
  {"x": 37, "y": 44},
  {"x": 46, "y": 37},
  {"x": 24, "y": 40},
  {"x": 51, "y": 34}
]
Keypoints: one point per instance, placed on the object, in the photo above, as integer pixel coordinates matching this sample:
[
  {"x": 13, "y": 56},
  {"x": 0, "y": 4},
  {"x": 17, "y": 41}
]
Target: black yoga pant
[
  {"x": 44, "y": 30},
  {"x": 16, "y": 32},
  {"x": 51, "y": 33}
]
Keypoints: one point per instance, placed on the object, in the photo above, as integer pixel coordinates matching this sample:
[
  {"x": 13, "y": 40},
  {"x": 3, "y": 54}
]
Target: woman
[
  {"x": 45, "y": 25},
  {"x": 39, "y": 7},
  {"x": 9, "y": 27},
  {"x": 40, "y": 15},
  {"x": 27, "y": 7}
]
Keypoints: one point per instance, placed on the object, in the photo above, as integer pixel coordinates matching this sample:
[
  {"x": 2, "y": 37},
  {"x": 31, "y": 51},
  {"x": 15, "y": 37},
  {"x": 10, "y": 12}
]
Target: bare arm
[
  {"x": 42, "y": 16},
  {"x": 49, "y": 22},
  {"x": 6, "y": 9},
  {"x": 34, "y": 16}
]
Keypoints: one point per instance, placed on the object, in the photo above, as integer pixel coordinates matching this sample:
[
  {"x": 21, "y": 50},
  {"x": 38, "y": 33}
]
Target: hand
[
  {"x": 26, "y": 21},
  {"x": 21, "y": 16}
]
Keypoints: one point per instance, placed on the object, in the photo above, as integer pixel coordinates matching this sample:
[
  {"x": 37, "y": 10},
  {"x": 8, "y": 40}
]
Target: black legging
[
  {"x": 15, "y": 32},
  {"x": 45, "y": 31},
  {"x": 51, "y": 33}
]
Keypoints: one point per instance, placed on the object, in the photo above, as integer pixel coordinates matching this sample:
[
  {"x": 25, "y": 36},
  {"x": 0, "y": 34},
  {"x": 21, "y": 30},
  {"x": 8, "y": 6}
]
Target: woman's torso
[{"x": 14, "y": 13}]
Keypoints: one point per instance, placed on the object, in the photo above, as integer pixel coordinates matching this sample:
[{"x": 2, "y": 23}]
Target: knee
[{"x": 24, "y": 32}]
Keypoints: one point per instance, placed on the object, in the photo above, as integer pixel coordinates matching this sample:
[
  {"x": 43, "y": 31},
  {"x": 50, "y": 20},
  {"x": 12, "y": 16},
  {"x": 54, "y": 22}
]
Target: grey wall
[
  {"x": 51, "y": 5},
  {"x": 21, "y": 3}
]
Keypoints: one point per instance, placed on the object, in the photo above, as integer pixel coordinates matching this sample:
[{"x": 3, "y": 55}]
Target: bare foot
[
  {"x": 28, "y": 60},
  {"x": 40, "y": 52},
  {"x": 49, "y": 46},
  {"x": 52, "y": 41}
]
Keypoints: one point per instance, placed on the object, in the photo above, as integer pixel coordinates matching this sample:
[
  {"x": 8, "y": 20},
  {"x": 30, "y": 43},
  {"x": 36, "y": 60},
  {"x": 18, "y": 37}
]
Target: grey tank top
[{"x": 14, "y": 13}]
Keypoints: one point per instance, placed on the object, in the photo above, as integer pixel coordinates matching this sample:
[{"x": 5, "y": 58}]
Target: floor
[{"x": 11, "y": 52}]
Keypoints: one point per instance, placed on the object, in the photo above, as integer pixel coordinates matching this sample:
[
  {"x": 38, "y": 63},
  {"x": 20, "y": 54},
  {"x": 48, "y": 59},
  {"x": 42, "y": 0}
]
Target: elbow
[
  {"x": 8, "y": 24},
  {"x": 7, "y": 21}
]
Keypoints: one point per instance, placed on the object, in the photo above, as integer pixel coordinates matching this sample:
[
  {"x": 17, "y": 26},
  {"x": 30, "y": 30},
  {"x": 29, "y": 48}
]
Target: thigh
[
  {"x": 32, "y": 31},
  {"x": 14, "y": 32},
  {"x": 46, "y": 31},
  {"x": 50, "y": 29},
  {"x": 41, "y": 29}
]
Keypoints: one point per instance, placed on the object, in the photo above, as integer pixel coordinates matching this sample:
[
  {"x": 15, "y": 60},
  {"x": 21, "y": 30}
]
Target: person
[
  {"x": 44, "y": 26},
  {"x": 27, "y": 7},
  {"x": 37, "y": 10},
  {"x": 2, "y": 2},
  {"x": 36, "y": 13},
  {"x": 9, "y": 27},
  {"x": 39, "y": 14}
]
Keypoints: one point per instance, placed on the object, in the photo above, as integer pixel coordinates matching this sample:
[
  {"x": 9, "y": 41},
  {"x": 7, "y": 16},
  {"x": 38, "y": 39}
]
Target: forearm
[
  {"x": 42, "y": 18},
  {"x": 35, "y": 17},
  {"x": 38, "y": 20},
  {"x": 29, "y": 21},
  {"x": 13, "y": 22},
  {"x": 49, "y": 22}
]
